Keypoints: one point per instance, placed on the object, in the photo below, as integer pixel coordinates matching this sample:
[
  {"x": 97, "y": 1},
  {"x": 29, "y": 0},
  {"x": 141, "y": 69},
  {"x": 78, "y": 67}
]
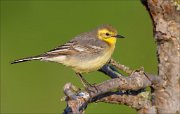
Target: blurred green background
[{"x": 33, "y": 27}]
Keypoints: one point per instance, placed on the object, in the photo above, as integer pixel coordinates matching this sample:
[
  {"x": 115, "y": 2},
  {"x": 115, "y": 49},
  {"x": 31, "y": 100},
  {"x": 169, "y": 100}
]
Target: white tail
[{"x": 26, "y": 59}]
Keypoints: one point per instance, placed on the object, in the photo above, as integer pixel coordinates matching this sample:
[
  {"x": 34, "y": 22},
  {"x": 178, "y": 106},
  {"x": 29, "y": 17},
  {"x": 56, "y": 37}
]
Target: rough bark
[
  {"x": 166, "y": 20},
  {"x": 164, "y": 97}
]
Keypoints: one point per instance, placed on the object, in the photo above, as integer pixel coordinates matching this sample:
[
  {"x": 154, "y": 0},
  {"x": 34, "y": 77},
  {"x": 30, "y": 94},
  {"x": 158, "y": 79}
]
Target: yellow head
[{"x": 108, "y": 34}]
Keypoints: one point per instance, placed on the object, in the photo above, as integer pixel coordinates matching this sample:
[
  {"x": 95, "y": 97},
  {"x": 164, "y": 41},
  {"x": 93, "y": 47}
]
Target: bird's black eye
[{"x": 107, "y": 34}]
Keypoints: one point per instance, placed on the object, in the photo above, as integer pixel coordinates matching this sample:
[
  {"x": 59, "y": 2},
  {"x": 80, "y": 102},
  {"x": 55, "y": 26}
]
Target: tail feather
[{"x": 26, "y": 59}]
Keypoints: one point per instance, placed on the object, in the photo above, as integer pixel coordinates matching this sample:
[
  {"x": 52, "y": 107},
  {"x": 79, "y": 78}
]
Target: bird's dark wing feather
[{"x": 65, "y": 49}]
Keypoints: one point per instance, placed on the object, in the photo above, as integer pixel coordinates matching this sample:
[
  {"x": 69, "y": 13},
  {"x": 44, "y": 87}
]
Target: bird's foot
[
  {"x": 141, "y": 69},
  {"x": 91, "y": 88}
]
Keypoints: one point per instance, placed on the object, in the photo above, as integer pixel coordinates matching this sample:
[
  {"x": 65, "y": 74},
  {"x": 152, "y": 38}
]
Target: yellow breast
[{"x": 93, "y": 64}]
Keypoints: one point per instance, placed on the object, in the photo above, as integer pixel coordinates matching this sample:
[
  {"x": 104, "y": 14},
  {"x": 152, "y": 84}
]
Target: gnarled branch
[{"x": 77, "y": 101}]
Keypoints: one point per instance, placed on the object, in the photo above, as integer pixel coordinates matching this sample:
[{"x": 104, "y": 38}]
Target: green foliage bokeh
[{"x": 32, "y": 27}]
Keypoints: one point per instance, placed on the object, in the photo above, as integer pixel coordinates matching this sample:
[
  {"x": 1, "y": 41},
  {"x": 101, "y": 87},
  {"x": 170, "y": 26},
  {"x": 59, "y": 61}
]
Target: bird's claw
[{"x": 91, "y": 88}]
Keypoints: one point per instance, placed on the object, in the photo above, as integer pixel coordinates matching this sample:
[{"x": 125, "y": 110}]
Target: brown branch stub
[
  {"x": 76, "y": 102},
  {"x": 121, "y": 67}
]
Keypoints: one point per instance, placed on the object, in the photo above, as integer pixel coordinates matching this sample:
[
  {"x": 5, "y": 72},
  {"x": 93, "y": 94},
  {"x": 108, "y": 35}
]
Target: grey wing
[
  {"x": 78, "y": 45},
  {"x": 93, "y": 45},
  {"x": 65, "y": 49}
]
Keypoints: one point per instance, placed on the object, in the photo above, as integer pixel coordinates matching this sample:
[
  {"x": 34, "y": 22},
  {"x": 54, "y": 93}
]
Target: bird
[{"x": 85, "y": 53}]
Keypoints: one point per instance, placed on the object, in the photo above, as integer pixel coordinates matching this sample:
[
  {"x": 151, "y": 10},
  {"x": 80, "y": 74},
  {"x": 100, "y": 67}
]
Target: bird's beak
[{"x": 119, "y": 36}]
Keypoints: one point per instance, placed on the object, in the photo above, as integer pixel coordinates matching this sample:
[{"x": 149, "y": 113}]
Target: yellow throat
[{"x": 107, "y": 36}]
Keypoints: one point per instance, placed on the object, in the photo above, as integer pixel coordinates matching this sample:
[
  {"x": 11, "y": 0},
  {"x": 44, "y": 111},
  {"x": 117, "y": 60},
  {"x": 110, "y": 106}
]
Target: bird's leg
[
  {"x": 87, "y": 84},
  {"x": 84, "y": 82}
]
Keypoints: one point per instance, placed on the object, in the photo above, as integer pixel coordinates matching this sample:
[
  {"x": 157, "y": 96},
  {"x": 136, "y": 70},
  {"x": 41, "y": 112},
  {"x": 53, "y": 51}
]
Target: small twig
[{"x": 121, "y": 67}]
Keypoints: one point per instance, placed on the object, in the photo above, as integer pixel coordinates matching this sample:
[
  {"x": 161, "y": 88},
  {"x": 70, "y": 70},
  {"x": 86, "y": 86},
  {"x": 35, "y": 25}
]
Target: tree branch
[
  {"x": 77, "y": 102},
  {"x": 138, "y": 80}
]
